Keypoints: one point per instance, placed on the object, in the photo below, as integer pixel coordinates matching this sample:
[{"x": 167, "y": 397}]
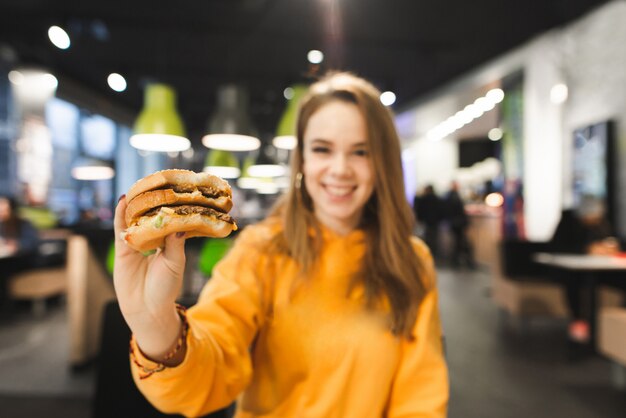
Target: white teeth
[{"x": 339, "y": 191}]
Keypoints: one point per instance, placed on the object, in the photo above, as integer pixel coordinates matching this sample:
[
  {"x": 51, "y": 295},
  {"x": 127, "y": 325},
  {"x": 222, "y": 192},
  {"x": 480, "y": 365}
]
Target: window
[{"x": 98, "y": 137}]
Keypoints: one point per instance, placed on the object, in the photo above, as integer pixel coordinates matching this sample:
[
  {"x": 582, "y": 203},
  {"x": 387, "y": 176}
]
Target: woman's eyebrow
[
  {"x": 360, "y": 145},
  {"x": 322, "y": 141},
  {"x": 319, "y": 141}
]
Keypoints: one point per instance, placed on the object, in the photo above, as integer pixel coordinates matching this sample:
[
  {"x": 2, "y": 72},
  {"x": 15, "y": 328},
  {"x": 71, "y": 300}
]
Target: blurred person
[
  {"x": 87, "y": 219},
  {"x": 458, "y": 220},
  {"x": 428, "y": 208},
  {"x": 582, "y": 231},
  {"x": 328, "y": 307},
  {"x": 16, "y": 234}
]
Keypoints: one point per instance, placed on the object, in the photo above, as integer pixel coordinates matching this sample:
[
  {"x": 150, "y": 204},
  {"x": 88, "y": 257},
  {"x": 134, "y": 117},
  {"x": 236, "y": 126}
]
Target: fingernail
[
  {"x": 180, "y": 234},
  {"x": 121, "y": 197}
]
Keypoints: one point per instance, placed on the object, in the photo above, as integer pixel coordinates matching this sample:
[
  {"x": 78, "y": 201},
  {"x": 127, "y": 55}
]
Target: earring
[{"x": 298, "y": 182}]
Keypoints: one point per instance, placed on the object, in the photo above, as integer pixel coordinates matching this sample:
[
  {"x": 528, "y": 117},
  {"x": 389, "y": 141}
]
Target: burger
[{"x": 171, "y": 201}]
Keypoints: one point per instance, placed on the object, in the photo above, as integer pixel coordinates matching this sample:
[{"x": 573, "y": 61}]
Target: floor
[
  {"x": 35, "y": 379},
  {"x": 497, "y": 369}
]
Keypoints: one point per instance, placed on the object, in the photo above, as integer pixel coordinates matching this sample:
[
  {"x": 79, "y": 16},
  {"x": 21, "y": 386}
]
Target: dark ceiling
[{"x": 408, "y": 46}]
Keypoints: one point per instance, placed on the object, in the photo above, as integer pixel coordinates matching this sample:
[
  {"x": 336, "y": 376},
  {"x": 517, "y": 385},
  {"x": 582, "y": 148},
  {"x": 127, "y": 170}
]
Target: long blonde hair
[{"x": 390, "y": 266}]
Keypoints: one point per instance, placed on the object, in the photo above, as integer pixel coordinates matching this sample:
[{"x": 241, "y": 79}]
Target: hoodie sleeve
[
  {"x": 222, "y": 326},
  {"x": 420, "y": 388}
]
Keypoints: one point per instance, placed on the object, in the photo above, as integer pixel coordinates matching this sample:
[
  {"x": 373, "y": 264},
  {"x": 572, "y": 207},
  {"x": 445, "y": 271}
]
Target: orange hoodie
[{"x": 308, "y": 350}]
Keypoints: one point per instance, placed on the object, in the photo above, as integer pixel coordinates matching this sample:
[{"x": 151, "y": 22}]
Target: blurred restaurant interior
[{"x": 523, "y": 106}]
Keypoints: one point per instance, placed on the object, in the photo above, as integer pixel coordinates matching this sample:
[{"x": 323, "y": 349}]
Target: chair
[
  {"x": 89, "y": 289},
  {"x": 46, "y": 274},
  {"x": 519, "y": 286},
  {"x": 116, "y": 394},
  {"x": 612, "y": 341}
]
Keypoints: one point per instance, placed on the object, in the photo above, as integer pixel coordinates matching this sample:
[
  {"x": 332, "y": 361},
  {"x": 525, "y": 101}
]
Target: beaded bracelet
[{"x": 149, "y": 371}]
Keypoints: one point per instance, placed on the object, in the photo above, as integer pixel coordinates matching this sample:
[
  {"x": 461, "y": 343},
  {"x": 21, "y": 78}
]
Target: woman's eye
[
  {"x": 361, "y": 153},
  {"x": 321, "y": 150}
]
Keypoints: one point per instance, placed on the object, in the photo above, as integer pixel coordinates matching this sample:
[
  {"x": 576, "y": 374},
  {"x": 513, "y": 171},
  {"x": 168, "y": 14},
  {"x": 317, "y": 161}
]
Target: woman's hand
[{"x": 147, "y": 288}]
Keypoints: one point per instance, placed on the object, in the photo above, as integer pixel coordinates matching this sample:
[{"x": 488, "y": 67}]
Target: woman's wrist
[
  {"x": 163, "y": 342},
  {"x": 171, "y": 359}
]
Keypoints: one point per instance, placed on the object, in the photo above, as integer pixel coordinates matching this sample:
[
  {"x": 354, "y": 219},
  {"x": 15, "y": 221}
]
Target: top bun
[{"x": 168, "y": 177}]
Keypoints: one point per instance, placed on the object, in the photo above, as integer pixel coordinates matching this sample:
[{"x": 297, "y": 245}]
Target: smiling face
[{"x": 337, "y": 169}]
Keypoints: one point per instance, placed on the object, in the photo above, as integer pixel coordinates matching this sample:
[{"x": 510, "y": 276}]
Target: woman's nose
[{"x": 339, "y": 165}]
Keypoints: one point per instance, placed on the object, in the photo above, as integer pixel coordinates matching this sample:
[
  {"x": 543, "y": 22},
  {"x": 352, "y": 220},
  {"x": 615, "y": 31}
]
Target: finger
[
  {"x": 119, "y": 226},
  {"x": 174, "y": 251}
]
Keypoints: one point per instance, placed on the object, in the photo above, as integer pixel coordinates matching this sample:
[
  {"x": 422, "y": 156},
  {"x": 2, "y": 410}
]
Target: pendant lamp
[
  {"x": 159, "y": 127},
  {"x": 246, "y": 181},
  {"x": 230, "y": 127},
  {"x": 286, "y": 133},
  {"x": 222, "y": 163},
  {"x": 265, "y": 165}
]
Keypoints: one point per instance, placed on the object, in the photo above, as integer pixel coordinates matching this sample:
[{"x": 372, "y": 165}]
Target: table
[{"x": 591, "y": 267}]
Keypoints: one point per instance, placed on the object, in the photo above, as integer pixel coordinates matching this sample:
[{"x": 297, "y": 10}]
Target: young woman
[{"x": 328, "y": 308}]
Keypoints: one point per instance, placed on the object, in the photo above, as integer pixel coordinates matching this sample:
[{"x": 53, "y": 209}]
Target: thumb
[{"x": 174, "y": 250}]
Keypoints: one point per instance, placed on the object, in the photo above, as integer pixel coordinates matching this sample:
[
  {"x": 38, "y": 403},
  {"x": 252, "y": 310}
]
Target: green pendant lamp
[
  {"x": 286, "y": 133},
  {"x": 159, "y": 127},
  {"x": 222, "y": 163}
]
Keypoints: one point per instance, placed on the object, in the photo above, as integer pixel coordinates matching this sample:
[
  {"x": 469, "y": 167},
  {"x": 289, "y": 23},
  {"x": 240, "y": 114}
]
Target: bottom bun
[{"x": 148, "y": 234}]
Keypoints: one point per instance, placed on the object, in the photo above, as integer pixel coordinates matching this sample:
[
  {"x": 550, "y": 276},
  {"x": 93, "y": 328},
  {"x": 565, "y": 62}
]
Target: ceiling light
[
  {"x": 288, "y": 93},
  {"x": 388, "y": 98},
  {"x": 159, "y": 142},
  {"x": 287, "y": 142},
  {"x": 231, "y": 142},
  {"x": 467, "y": 115},
  {"x": 267, "y": 170},
  {"x": 315, "y": 56},
  {"x": 495, "y": 95},
  {"x": 456, "y": 122},
  {"x": 222, "y": 164},
  {"x": 159, "y": 127},
  {"x": 474, "y": 110},
  {"x": 117, "y": 82},
  {"x": 484, "y": 104},
  {"x": 16, "y": 77},
  {"x": 495, "y": 134},
  {"x": 248, "y": 182},
  {"x": 265, "y": 166},
  {"x": 558, "y": 93},
  {"x": 59, "y": 37},
  {"x": 267, "y": 188},
  {"x": 92, "y": 169},
  {"x": 223, "y": 172},
  {"x": 230, "y": 128}
]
